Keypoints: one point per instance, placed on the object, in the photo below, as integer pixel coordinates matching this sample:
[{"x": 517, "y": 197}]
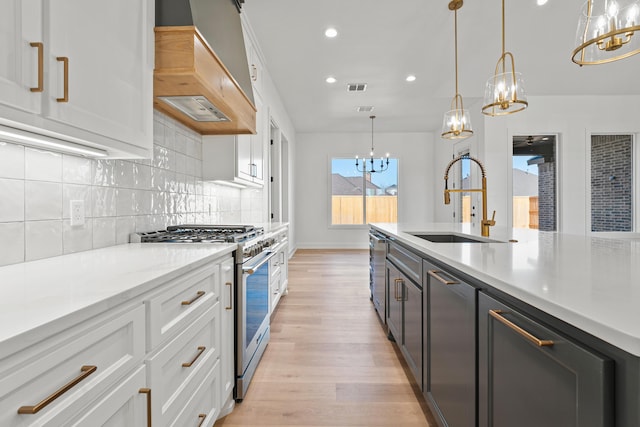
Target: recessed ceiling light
[
  {"x": 331, "y": 32},
  {"x": 331, "y": 79},
  {"x": 411, "y": 78},
  {"x": 541, "y": 2}
]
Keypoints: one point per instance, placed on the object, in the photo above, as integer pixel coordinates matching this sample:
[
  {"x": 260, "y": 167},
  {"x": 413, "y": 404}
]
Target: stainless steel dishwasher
[{"x": 377, "y": 273}]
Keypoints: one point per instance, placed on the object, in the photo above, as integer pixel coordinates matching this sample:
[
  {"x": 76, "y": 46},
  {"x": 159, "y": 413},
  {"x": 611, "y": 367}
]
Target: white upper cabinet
[
  {"x": 256, "y": 65},
  {"x": 238, "y": 158},
  {"x": 96, "y": 70},
  {"x": 20, "y": 47}
]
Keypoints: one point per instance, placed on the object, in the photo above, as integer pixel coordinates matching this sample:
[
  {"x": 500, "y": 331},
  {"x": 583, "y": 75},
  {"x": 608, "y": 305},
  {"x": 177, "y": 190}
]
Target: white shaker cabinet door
[
  {"x": 21, "y": 45},
  {"x": 99, "y": 57}
]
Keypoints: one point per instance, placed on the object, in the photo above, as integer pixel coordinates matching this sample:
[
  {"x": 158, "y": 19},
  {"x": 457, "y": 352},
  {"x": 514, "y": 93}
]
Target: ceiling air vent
[
  {"x": 356, "y": 87},
  {"x": 364, "y": 109}
]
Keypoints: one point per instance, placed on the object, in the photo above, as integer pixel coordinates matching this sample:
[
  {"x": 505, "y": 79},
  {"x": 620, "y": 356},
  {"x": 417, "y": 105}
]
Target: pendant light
[
  {"x": 383, "y": 166},
  {"x": 606, "y": 31},
  {"x": 504, "y": 93},
  {"x": 457, "y": 122}
]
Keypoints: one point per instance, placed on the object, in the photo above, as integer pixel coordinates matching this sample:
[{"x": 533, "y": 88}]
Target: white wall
[
  {"x": 313, "y": 153},
  {"x": 574, "y": 119}
]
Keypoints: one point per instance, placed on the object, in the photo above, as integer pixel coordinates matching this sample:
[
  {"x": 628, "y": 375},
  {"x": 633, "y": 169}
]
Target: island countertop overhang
[{"x": 591, "y": 283}]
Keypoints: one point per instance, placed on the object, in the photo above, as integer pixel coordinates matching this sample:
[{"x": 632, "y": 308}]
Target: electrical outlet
[{"x": 77, "y": 212}]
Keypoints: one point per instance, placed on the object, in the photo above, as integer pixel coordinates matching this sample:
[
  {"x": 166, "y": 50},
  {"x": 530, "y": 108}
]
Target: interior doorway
[
  {"x": 534, "y": 183},
  {"x": 279, "y": 176}
]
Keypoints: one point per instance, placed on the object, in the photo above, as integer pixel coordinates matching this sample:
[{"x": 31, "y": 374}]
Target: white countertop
[
  {"x": 37, "y": 295},
  {"x": 592, "y": 283}
]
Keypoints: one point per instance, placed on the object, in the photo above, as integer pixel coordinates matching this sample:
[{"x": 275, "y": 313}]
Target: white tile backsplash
[
  {"x": 76, "y": 170},
  {"x": 11, "y": 242},
  {"x": 11, "y": 200},
  {"x": 77, "y": 238},
  {"x": 104, "y": 232},
  {"x": 43, "y": 239},
  {"x": 121, "y": 196},
  {"x": 11, "y": 161},
  {"x": 42, "y": 200},
  {"x": 42, "y": 165},
  {"x": 103, "y": 201}
]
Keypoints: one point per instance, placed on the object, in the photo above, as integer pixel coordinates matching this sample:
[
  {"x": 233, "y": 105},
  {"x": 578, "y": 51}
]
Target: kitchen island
[{"x": 486, "y": 306}]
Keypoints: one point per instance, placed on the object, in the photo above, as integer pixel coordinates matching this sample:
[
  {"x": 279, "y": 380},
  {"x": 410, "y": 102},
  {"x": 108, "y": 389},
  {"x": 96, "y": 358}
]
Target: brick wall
[
  {"x": 611, "y": 183},
  {"x": 547, "y": 196}
]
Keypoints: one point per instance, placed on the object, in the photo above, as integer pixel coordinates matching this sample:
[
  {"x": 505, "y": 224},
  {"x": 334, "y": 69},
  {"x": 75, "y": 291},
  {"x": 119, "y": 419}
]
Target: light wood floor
[{"x": 329, "y": 363}]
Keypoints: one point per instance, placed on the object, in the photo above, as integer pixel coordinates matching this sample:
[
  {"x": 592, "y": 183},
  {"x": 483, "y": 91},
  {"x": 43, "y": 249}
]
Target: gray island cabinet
[{"x": 489, "y": 359}]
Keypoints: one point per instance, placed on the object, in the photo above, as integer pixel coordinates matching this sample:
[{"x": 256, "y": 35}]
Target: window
[{"x": 359, "y": 198}]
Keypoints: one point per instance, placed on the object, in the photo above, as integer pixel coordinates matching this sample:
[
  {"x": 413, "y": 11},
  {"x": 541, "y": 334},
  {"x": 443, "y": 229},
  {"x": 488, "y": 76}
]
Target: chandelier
[
  {"x": 504, "y": 93},
  {"x": 457, "y": 122},
  {"x": 383, "y": 166},
  {"x": 605, "y": 31}
]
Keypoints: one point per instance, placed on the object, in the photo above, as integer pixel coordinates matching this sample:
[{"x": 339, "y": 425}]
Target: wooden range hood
[{"x": 186, "y": 65}]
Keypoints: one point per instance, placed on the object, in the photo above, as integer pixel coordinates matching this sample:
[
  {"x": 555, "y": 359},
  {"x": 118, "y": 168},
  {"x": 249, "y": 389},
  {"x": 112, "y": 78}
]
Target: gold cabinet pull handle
[
  {"x": 200, "y": 351},
  {"x": 396, "y": 282},
  {"x": 86, "y": 371},
  {"x": 230, "y": 306},
  {"x": 65, "y": 63},
  {"x": 436, "y": 275},
  {"x": 147, "y": 391},
  {"x": 201, "y": 417},
  {"x": 498, "y": 315},
  {"x": 194, "y": 299},
  {"x": 40, "y": 48}
]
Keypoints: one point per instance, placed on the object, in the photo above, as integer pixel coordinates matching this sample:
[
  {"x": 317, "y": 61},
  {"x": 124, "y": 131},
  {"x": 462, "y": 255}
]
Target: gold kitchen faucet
[{"x": 486, "y": 223}]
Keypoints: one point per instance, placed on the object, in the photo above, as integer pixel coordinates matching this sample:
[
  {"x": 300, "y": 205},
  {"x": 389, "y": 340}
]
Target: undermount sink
[{"x": 451, "y": 238}]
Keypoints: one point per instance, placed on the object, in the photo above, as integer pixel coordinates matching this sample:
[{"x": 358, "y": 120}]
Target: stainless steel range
[{"x": 251, "y": 287}]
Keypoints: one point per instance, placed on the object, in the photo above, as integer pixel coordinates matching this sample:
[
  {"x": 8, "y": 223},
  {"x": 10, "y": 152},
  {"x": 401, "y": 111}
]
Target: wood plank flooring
[{"x": 329, "y": 362}]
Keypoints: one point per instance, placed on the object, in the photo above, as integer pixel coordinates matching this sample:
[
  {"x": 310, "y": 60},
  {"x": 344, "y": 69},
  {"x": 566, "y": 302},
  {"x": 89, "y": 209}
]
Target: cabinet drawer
[
  {"x": 181, "y": 302},
  {"x": 204, "y": 406},
  {"x": 525, "y": 368},
  {"x": 179, "y": 366},
  {"x": 407, "y": 261},
  {"x": 122, "y": 406},
  {"x": 112, "y": 344}
]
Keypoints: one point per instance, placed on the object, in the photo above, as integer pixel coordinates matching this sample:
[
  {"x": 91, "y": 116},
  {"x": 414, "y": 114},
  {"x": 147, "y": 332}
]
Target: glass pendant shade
[
  {"x": 607, "y": 31},
  {"x": 457, "y": 121},
  {"x": 504, "y": 93}
]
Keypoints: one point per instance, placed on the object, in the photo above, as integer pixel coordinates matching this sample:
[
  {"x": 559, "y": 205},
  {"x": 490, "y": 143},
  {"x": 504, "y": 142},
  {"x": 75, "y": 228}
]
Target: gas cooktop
[{"x": 190, "y": 233}]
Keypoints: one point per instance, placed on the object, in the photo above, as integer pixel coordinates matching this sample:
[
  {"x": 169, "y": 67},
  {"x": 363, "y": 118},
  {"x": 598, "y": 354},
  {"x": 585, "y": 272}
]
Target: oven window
[{"x": 257, "y": 301}]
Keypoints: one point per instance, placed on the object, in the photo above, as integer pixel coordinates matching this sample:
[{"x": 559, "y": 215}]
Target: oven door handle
[{"x": 250, "y": 269}]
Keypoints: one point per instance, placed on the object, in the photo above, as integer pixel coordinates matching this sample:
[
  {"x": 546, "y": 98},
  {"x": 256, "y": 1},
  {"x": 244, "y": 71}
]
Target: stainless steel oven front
[{"x": 252, "y": 318}]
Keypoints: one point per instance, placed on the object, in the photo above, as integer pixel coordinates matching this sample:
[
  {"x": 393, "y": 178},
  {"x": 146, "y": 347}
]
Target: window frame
[{"x": 364, "y": 225}]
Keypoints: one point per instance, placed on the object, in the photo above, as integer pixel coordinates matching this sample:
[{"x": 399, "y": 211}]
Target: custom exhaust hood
[{"x": 201, "y": 75}]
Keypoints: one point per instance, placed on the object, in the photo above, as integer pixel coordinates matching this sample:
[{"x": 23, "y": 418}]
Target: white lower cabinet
[
  {"x": 203, "y": 408},
  {"x": 123, "y": 406},
  {"x": 177, "y": 369},
  {"x": 52, "y": 381},
  {"x": 158, "y": 359}
]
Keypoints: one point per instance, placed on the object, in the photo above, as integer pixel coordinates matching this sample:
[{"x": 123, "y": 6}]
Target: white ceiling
[{"x": 380, "y": 42}]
